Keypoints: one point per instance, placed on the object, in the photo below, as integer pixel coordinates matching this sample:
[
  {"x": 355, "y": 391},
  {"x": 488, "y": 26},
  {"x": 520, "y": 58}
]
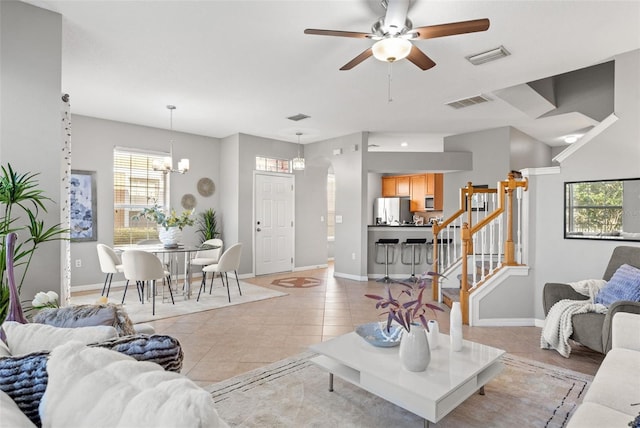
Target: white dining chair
[
  {"x": 208, "y": 257},
  {"x": 110, "y": 264},
  {"x": 141, "y": 266},
  {"x": 229, "y": 261}
]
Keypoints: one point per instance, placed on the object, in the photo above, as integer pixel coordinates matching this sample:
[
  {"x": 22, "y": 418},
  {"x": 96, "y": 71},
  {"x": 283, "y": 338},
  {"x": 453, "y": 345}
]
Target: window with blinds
[{"x": 136, "y": 186}]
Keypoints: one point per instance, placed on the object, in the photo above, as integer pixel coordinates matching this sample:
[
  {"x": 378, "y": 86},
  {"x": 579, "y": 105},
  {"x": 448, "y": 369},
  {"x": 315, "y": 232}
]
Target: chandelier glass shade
[
  {"x": 166, "y": 165},
  {"x": 298, "y": 162},
  {"x": 391, "y": 49}
]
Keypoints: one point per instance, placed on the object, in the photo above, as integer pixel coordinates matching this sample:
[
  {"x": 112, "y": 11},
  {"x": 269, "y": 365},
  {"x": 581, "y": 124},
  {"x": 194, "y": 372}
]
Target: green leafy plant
[
  {"x": 208, "y": 225},
  {"x": 20, "y": 196},
  {"x": 408, "y": 307},
  {"x": 158, "y": 215}
]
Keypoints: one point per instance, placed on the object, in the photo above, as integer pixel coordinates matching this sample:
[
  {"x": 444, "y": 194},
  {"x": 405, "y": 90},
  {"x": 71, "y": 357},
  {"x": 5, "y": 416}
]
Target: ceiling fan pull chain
[{"x": 389, "y": 98}]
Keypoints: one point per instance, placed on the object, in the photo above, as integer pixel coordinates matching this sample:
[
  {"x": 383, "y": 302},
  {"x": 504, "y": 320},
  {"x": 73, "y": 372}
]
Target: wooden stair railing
[{"x": 506, "y": 196}]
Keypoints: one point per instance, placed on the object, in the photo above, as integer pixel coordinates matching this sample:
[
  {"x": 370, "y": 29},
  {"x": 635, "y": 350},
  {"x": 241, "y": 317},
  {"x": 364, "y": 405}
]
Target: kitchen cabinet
[
  {"x": 416, "y": 186},
  {"x": 418, "y": 190},
  {"x": 403, "y": 186},
  {"x": 388, "y": 186}
]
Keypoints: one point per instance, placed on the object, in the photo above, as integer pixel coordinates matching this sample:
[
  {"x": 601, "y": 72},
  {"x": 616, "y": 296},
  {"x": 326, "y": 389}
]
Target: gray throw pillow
[{"x": 109, "y": 314}]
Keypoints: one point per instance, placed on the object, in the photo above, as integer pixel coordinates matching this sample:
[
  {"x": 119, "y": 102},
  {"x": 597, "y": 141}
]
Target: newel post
[{"x": 509, "y": 248}]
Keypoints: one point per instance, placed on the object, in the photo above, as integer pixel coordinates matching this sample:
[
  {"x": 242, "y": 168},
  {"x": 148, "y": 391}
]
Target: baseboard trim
[
  {"x": 301, "y": 268},
  {"x": 350, "y": 276},
  {"x": 539, "y": 323},
  {"x": 505, "y": 322}
]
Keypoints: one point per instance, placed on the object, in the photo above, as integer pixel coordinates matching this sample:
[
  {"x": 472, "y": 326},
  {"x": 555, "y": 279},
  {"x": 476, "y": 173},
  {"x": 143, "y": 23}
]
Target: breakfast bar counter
[{"x": 397, "y": 269}]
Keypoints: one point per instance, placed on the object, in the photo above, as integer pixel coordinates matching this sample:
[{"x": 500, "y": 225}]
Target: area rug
[
  {"x": 294, "y": 393},
  {"x": 218, "y": 299}
]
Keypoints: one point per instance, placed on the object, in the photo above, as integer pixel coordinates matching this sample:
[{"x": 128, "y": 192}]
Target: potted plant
[
  {"x": 409, "y": 310},
  {"x": 169, "y": 224},
  {"x": 207, "y": 225},
  {"x": 20, "y": 197}
]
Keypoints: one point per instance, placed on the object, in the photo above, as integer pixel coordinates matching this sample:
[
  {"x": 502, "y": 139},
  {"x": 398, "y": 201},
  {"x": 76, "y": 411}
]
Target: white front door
[{"x": 273, "y": 224}]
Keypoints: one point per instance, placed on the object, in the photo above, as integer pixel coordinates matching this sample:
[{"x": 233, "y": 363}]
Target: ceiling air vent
[
  {"x": 467, "y": 102},
  {"x": 298, "y": 117}
]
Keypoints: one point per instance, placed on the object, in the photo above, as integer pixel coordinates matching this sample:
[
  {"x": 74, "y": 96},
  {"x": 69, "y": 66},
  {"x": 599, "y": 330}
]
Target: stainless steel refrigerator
[{"x": 391, "y": 211}]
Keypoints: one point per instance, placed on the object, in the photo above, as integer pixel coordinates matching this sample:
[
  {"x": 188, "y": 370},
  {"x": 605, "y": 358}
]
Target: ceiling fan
[{"x": 394, "y": 32}]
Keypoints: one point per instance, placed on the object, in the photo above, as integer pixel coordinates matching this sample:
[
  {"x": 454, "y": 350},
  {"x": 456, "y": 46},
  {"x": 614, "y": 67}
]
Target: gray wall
[
  {"x": 615, "y": 153},
  {"x": 491, "y": 162},
  {"x": 419, "y": 162},
  {"x": 93, "y": 141},
  {"x": 229, "y": 188},
  {"x": 527, "y": 152},
  {"x": 30, "y": 120}
]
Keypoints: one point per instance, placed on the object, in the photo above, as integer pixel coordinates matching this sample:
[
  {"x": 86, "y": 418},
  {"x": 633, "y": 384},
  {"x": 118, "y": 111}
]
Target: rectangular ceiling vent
[
  {"x": 298, "y": 117},
  {"x": 468, "y": 102}
]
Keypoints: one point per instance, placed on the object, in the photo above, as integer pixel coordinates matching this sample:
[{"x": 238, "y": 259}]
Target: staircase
[{"x": 477, "y": 241}]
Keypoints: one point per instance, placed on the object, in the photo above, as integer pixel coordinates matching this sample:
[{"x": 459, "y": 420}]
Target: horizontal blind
[{"x": 135, "y": 186}]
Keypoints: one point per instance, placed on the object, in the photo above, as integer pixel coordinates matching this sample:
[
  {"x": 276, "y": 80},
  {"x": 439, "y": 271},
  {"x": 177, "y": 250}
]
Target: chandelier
[
  {"x": 166, "y": 165},
  {"x": 298, "y": 162}
]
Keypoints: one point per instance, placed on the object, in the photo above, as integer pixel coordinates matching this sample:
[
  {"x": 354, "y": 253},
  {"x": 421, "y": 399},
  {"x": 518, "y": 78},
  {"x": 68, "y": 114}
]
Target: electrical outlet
[
  {"x": 78, "y": 262},
  {"x": 353, "y": 256}
]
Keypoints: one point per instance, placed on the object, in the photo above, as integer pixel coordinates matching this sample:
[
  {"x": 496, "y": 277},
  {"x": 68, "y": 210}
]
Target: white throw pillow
[
  {"x": 4, "y": 350},
  {"x": 96, "y": 386},
  {"x": 27, "y": 338},
  {"x": 10, "y": 414}
]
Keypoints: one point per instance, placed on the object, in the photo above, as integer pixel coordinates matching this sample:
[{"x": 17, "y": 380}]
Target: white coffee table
[{"x": 451, "y": 377}]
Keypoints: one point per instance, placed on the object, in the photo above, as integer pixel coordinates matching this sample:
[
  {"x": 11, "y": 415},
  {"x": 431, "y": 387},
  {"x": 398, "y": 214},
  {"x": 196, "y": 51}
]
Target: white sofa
[
  {"x": 616, "y": 386},
  {"x": 49, "y": 375}
]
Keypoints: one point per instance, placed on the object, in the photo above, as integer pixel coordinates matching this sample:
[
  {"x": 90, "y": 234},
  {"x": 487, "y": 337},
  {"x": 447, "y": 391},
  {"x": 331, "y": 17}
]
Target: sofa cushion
[
  {"x": 12, "y": 416},
  {"x": 616, "y": 383},
  {"x": 27, "y": 338},
  {"x": 130, "y": 393},
  {"x": 594, "y": 415},
  {"x": 108, "y": 314},
  {"x": 623, "y": 285}
]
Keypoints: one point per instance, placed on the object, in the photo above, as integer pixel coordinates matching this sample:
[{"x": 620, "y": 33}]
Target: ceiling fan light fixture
[{"x": 391, "y": 49}]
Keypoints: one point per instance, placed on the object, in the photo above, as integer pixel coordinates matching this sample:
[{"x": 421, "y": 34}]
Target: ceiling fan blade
[
  {"x": 450, "y": 29},
  {"x": 337, "y": 33},
  {"x": 420, "y": 59},
  {"x": 357, "y": 60}
]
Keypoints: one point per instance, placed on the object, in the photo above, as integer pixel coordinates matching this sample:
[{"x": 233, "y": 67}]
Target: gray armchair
[{"x": 594, "y": 330}]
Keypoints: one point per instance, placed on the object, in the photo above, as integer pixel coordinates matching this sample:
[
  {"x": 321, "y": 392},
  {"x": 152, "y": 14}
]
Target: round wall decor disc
[
  {"x": 188, "y": 201},
  {"x": 206, "y": 186}
]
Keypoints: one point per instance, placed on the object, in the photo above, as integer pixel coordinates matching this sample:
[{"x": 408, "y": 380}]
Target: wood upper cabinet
[
  {"x": 388, "y": 186},
  {"x": 403, "y": 186},
  {"x": 418, "y": 190},
  {"x": 416, "y": 186}
]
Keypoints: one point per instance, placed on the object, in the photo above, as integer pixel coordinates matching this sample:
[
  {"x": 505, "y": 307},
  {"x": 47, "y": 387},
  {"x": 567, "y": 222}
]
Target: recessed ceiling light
[
  {"x": 570, "y": 139},
  {"x": 404, "y": 144}
]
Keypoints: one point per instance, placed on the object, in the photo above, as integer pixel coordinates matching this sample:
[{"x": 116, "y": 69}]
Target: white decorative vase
[
  {"x": 433, "y": 334},
  {"x": 414, "y": 349},
  {"x": 455, "y": 327},
  {"x": 169, "y": 236}
]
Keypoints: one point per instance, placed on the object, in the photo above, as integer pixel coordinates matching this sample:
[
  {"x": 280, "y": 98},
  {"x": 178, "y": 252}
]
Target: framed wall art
[{"x": 83, "y": 207}]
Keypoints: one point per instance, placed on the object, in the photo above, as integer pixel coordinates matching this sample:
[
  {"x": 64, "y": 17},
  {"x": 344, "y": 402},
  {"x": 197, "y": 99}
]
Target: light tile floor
[{"x": 222, "y": 343}]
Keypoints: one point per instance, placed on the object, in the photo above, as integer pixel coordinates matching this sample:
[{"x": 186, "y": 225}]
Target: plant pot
[
  {"x": 414, "y": 353},
  {"x": 169, "y": 236}
]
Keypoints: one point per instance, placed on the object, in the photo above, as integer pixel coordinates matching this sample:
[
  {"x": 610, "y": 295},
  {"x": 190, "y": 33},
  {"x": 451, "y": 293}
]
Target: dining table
[{"x": 173, "y": 252}]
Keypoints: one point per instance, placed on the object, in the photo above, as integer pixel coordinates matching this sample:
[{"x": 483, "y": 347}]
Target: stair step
[{"x": 450, "y": 295}]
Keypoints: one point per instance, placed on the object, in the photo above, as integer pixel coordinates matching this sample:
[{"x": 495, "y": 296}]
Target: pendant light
[
  {"x": 298, "y": 162},
  {"x": 166, "y": 165}
]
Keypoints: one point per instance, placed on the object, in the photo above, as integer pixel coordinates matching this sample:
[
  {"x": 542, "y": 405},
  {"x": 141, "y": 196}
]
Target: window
[
  {"x": 135, "y": 186},
  {"x": 595, "y": 209},
  {"x": 331, "y": 206},
  {"x": 273, "y": 165}
]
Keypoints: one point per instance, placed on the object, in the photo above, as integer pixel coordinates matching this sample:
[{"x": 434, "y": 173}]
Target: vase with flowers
[
  {"x": 169, "y": 223},
  {"x": 408, "y": 309}
]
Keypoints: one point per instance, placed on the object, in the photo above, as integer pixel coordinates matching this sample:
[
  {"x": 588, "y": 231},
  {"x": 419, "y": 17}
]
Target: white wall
[
  {"x": 93, "y": 141},
  {"x": 30, "y": 119}
]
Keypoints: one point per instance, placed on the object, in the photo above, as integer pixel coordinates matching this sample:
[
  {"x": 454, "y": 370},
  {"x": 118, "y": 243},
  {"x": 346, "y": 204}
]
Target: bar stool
[
  {"x": 386, "y": 242},
  {"x": 413, "y": 243}
]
